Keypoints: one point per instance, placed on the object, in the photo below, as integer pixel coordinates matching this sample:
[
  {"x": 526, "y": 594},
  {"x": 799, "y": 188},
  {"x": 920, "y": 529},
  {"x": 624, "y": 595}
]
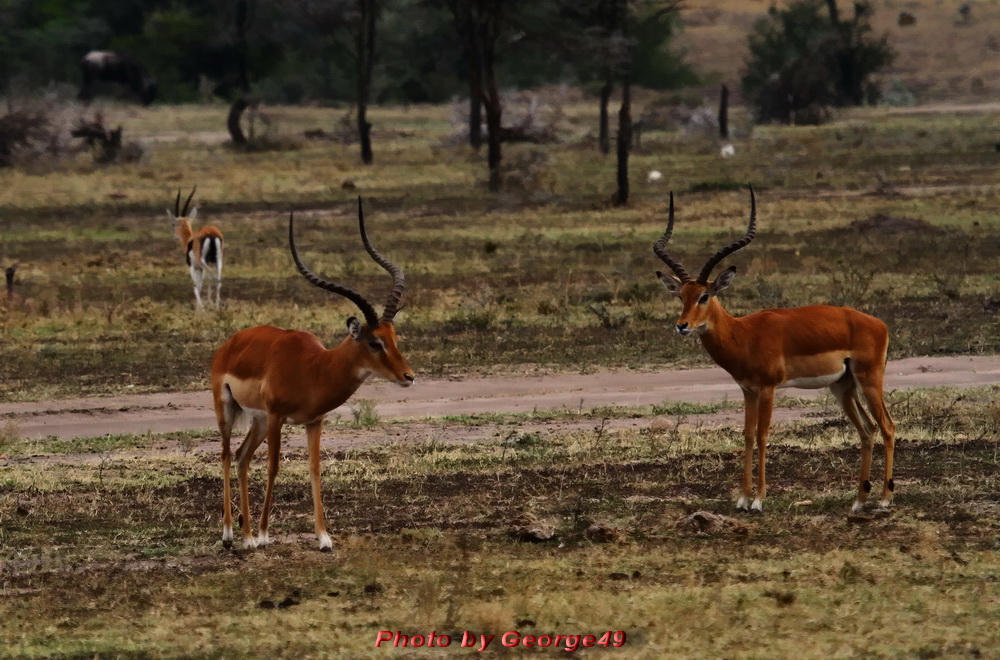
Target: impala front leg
[
  {"x": 765, "y": 404},
  {"x": 749, "y": 434},
  {"x": 274, "y": 424},
  {"x": 313, "y": 434}
]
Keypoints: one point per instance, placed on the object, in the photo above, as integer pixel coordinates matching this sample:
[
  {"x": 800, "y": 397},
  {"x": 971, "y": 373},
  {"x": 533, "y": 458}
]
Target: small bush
[
  {"x": 803, "y": 62},
  {"x": 898, "y": 95},
  {"x": 527, "y": 172},
  {"x": 364, "y": 412}
]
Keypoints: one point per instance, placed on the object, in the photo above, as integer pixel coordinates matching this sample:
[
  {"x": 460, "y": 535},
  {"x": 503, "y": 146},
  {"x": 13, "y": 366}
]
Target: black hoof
[
  {"x": 326, "y": 549},
  {"x": 228, "y": 545}
]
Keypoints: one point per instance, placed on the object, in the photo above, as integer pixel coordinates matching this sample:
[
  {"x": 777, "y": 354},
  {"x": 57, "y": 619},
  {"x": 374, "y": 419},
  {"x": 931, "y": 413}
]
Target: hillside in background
[{"x": 941, "y": 57}]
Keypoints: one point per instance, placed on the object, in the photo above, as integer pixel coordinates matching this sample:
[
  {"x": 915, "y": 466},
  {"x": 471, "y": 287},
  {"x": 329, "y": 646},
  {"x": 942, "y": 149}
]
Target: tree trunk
[
  {"x": 233, "y": 121},
  {"x": 831, "y": 6},
  {"x": 494, "y": 110},
  {"x": 624, "y": 142},
  {"x": 475, "y": 61},
  {"x": 494, "y": 130},
  {"x": 366, "y": 61},
  {"x": 603, "y": 140},
  {"x": 241, "y": 45},
  {"x": 724, "y": 113}
]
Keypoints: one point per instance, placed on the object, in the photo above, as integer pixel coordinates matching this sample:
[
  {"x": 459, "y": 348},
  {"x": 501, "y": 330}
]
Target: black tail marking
[{"x": 210, "y": 254}]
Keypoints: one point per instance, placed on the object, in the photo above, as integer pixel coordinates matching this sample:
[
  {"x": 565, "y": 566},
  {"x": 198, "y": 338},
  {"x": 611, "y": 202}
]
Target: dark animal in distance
[{"x": 107, "y": 66}]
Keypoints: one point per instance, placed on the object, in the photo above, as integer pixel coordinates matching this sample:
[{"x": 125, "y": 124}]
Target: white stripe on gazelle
[{"x": 201, "y": 243}]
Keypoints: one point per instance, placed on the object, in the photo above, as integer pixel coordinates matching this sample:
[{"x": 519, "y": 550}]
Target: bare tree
[
  {"x": 359, "y": 18},
  {"x": 241, "y": 21},
  {"x": 479, "y": 24},
  {"x": 724, "y": 112},
  {"x": 624, "y": 142},
  {"x": 462, "y": 13}
]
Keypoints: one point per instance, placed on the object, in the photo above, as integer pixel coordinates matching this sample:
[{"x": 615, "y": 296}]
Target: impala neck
[
  {"x": 724, "y": 338},
  {"x": 342, "y": 370},
  {"x": 183, "y": 231}
]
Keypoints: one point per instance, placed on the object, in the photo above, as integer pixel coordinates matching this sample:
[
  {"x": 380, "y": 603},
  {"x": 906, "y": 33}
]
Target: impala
[
  {"x": 276, "y": 376},
  {"x": 806, "y": 347},
  {"x": 202, "y": 248}
]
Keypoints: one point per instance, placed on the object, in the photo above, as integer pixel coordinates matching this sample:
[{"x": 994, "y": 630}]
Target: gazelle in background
[
  {"x": 805, "y": 347},
  {"x": 202, "y": 248},
  {"x": 276, "y": 376}
]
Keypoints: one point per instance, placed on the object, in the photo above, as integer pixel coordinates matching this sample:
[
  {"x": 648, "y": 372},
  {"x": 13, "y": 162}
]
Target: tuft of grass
[{"x": 364, "y": 413}]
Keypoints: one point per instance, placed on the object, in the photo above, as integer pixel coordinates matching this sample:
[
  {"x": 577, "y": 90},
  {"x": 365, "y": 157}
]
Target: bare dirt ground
[{"x": 168, "y": 412}]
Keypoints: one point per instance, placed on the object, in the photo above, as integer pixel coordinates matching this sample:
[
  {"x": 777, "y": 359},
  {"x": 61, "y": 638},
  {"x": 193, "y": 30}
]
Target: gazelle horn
[{"x": 371, "y": 318}]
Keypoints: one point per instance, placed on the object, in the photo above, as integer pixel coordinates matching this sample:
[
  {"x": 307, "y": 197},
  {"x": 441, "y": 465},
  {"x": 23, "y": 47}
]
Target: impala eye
[
  {"x": 377, "y": 345},
  {"x": 703, "y": 300}
]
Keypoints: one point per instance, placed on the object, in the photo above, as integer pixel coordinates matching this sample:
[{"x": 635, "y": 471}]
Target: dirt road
[{"x": 92, "y": 417}]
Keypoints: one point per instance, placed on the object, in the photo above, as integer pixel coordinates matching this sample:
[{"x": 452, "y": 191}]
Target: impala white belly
[
  {"x": 814, "y": 382},
  {"x": 247, "y": 394}
]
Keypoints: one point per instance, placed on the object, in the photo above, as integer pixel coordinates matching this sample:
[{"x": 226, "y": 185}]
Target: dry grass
[
  {"x": 99, "y": 545},
  {"x": 494, "y": 283}
]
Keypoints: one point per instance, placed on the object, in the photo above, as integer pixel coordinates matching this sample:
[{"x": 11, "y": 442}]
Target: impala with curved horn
[
  {"x": 806, "y": 347},
  {"x": 202, "y": 248},
  {"x": 276, "y": 376}
]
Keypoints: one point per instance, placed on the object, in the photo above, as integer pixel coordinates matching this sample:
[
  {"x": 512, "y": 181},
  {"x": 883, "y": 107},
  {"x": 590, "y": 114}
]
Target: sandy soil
[{"x": 92, "y": 417}]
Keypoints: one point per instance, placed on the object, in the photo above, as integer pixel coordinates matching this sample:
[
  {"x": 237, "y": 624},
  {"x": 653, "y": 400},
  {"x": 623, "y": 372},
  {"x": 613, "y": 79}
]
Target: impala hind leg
[
  {"x": 225, "y": 413},
  {"x": 255, "y": 436},
  {"x": 749, "y": 438},
  {"x": 274, "y": 424},
  {"x": 846, "y": 391},
  {"x": 871, "y": 387},
  {"x": 765, "y": 406},
  {"x": 313, "y": 434}
]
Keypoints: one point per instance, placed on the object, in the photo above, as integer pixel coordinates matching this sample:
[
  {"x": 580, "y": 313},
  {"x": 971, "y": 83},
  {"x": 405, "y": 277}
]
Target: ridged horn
[
  {"x": 371, "y": 318},
  {"x": 187, "y": 203},
  {"x": 658, "y": 247},
  {"x": 398, "y": 279},
  {"x": 735, "y": 245}
]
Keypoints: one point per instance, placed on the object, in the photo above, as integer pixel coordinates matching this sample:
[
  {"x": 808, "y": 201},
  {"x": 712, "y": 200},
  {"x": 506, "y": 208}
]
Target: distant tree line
[
  {"x": 294, "y": 51},
  {"x": 804, "y": 58}
]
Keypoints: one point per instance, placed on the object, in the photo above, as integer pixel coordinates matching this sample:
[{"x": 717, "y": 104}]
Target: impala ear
[
  {"x": 672, "y": 283},
  {"x": 170, "y": 214},
  {"x": 193, "y": 214},
  {"x": 354, "y": 327},
  {"x": 723, "y": 281}
]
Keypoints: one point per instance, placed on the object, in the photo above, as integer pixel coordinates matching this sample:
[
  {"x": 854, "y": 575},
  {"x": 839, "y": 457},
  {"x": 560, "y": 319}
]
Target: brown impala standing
[
  {"x": 276, "y": 376},
  {"x": 806, "y": 347}
]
